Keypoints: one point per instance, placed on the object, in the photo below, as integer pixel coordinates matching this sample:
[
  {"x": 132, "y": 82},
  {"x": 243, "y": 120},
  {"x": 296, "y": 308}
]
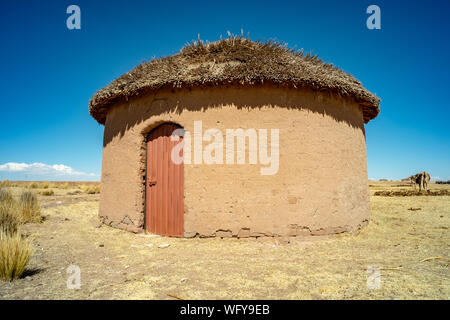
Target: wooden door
[{"x": 165, "y": 179}]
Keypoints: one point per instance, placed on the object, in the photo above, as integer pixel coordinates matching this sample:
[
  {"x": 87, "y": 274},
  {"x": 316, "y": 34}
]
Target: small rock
[
  {"x": 192, "y": 234},
  {"x": 101, "y": 245},
  {"x": 135, "y": 246},
  {"x": 164, "y": 245},
  {"x": 244, "y": 233},
  {"x": 283, "y": 240},
  {"x": 96, "y": 223},
  {"x": 28, "y": 278},
  {"x": 150, "y": 245},
  {"x": 224, "y": 234},
  {"x": 183, "y": 279}
]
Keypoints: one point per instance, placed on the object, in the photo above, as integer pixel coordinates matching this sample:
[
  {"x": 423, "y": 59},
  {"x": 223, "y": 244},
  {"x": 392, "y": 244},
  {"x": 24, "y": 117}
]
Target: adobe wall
[{"x": 321, "y": 186}]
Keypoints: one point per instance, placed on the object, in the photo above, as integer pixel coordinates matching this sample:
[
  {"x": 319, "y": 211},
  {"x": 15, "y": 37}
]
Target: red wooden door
[{"x": 165, "y": 179}]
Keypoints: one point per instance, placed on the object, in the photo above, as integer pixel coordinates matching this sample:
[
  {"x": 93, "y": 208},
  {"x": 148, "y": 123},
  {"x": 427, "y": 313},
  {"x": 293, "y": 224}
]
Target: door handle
[{"x": 151, "y": 183}]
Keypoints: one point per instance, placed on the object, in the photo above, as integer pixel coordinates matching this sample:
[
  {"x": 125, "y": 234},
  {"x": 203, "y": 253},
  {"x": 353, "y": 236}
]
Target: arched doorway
[{"x": 165, "y": 179}]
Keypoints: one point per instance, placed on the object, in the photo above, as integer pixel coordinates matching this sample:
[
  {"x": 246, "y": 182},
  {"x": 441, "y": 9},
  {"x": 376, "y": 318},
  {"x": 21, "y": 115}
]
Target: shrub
[
  {"x": 93, "y": 190},
  {"x": 9, "y": 220},
  {"x": 63, "y": 186},
  {"x": 29, "y": 207},
  {"x": 33, "y": 185},
  {"x": 5, "y": 183},
  {"x": 6, "y": 196},
  {"x": 49, "y": 192},
  {"x": 15, "y": 253},
  {"x": 90, "y": 189},
  {"x": 44, "y": 185}
]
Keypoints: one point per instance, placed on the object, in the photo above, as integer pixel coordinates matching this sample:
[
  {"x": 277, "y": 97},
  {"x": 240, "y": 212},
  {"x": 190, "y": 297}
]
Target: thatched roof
[{"x": 234, "y": 61}]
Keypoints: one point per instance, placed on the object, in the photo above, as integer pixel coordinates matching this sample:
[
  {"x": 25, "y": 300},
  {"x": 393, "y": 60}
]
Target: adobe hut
[{"x": 299, "y": 170}]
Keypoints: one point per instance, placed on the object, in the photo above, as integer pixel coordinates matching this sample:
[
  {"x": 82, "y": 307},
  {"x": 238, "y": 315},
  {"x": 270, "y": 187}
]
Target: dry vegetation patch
[
  {"x": 409, "y": 247},
  {"x": 409, "y": 193},
  {"x": 15, "y": 250},
  {"x": 49, "y": 192}
]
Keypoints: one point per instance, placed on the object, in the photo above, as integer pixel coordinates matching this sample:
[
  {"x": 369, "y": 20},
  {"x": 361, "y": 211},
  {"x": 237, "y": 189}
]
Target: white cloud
[{"x": 42, "y": 170}]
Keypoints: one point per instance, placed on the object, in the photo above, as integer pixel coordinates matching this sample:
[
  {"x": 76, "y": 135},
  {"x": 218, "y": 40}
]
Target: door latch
[{"x": 151, "y": 183}]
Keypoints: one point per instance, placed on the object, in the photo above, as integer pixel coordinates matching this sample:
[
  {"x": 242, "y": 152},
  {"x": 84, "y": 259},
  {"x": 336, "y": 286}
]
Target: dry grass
[
  {"x": 39, "y": 185},
  {"x": 234, "y": 61},
  {"x": 7, "y": 184},
  {"x": 9, "y": 220},
  {"x": 28, "y": 207},
  {"x": 90, "y": 189},
  {"x": 14, "y": 250},
  {"x": 6, "y": 196},
  {"x": 412, "y": 193},
  {"x": 64, "y": 186},
  {"x": 33, "y": 185},
  {"x": 410, "y": 247},
  {"x": 25, "y": 209},
  {"x": 48, "y": 192},
  {"x": 15, "y": 253}
]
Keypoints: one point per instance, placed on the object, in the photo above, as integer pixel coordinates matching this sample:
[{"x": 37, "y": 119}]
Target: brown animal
[{"x": 422, "y": 179}]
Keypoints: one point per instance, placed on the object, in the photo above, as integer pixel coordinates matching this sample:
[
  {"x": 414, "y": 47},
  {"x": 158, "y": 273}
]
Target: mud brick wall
[{"x": 321, "y": 186}]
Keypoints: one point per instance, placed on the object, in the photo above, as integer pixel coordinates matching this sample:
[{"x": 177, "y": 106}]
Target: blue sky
[{"x": 49, "y": 72}]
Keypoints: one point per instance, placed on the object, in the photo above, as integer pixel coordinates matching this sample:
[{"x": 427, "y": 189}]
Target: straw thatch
[{"x": 234, "y": 61}]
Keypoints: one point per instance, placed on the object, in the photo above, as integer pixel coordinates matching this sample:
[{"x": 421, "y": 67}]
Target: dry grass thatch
[{"x": 234, "y": 61}]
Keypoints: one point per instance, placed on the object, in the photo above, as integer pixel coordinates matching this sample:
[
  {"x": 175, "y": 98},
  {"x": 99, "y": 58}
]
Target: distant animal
[
  {"x": 413, "y": 180},
  {"x": 422, "y": 179}
]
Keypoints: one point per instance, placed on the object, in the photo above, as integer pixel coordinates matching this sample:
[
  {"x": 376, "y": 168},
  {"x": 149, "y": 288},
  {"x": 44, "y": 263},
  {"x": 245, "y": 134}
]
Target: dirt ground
[{"x": 407, "y": 240}]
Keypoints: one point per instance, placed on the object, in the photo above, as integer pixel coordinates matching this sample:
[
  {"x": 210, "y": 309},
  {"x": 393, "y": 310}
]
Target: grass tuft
[
  {"x": 15, "y": 253},
  {"x": 63, "y": 186},
  {"x": 90, "y": 189},
  {"x": 4, "y": 183},
  {"x": 33, "y": 185},
  {"x": 48, "y": 192},
  {"x": 28, "y": 206},
  {"x": 6, "y": 196},
  {"x": 9, "y": 220}
]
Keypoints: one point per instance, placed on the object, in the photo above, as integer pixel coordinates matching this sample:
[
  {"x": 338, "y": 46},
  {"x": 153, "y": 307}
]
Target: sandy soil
[{"x": 407, "y": 240}]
